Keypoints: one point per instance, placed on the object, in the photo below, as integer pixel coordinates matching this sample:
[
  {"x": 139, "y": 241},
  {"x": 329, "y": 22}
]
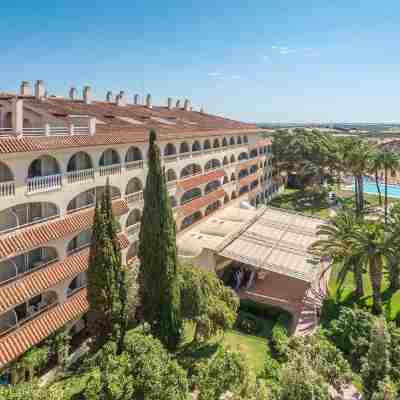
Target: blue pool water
[{"x": 370, "y": 188}]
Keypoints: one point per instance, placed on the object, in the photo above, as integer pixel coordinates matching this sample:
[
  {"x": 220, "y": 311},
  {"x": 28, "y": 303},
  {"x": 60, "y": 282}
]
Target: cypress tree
[
  {"x": 158, "y": 275},
  {"x": 106, "y": 290}
]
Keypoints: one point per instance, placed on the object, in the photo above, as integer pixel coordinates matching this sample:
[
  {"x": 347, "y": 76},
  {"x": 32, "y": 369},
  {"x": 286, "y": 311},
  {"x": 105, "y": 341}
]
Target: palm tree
[
  {"x": 371, "y": 246},
  {"x": 337, "y": 242},
  {"x": 376, "y": 165},
  {"x": 390, "y": 162},
  {"x": 357, "y": 159},
  {"x": 393, "y": 232}
]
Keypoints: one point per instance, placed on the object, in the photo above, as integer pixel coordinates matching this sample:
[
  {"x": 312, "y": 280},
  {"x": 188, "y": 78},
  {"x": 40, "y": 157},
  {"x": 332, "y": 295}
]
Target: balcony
[
  {"x": 197, "y": 153},
  {"x": 134, "y": 165},
  {"x": 183, "y": 156},
  {"x": 170, "y": 158},
  {"x": 39, "y": 184},
  {"x": 81, "y": 175},
  {"x": 136, "y": 197},
  {"x": 113, "y": 169},
  {"x": 7, "y": 189}
]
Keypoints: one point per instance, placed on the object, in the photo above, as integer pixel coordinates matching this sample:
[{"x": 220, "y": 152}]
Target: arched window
[
  {"x": 134, "y": 217},
  {"x": 225, "y": 161},
  {"x": 134, "y": 185},
  {"x": 226, "y": 180},
  {"x": 171, "y": 175},
  {"x": 184, "y": 148},
  {"x": 243, "y": 190},
  {"x": 243, "y": 156},
  {"x": 79, "y": 161},
  {"x": 243, "y": 173},
  {"x": 253, "y": 153},
  {"x": 77, "y": 283},
  {"x": 233, "y": 158},
  {"x": 207, "y": 145},
  {"x": 226, "y": 199},
  {"x": 233, "y": 177},
  {"x": 27, "y": 123},
  {"x": 212, "y": 164},
  {"x": 232, "y": 141},
  {"x": 169, "y": 150},
  {"x": 26, "y": 214},
  {"x": 5, "y": 173},
  {"x": 216, "y": 143},
  {"x": 89, "y": 198},
  {"x": 133, "y": 154},
  {"x": 224, "y": 142},
  {"x": 245, "y": 139},
  {"x": 212, "y": 207},
  {"x": 233, "y": 195},
  {"x": 43, "y": 166},
  {"x": 239, "y": 140},
  {"x": 109, "y": 157},
  {"x": 253, "y": 169},
  {"x": 191, "y": 219},
  {"x": 80, "y": 241},
  {"x": 191, "y": 169},
  {"x": 190, "y": 195},
  {"x": 212, "y": 186},
  {"x": 196, "y": 146}
]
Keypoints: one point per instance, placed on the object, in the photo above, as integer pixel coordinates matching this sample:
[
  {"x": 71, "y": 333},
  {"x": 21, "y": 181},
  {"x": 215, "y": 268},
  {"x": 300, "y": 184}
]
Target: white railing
[
  {"x": 80, "y": 175},
  {"x": 134, "y": 165},
  {"x": 114, "y": 169},
  {"x": 7, "y": 189},
  {"x": 5, "y": 131},
  {"x": 134, "y": 197},
  {"x": 206, "y": 151},
  {"x": 43, "y": 183},
  {"x": 183, "y": 156},
  {"x": 133, "y": 230},
  {"x": 197, "y": 153},
  {"x": 171, "y": 184},
  {"x": 170, "y": 158},
  {"x": 191, "y": 176}
]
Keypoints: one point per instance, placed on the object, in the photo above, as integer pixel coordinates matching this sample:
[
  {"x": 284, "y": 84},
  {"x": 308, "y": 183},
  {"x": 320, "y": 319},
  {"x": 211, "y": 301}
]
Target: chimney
[
  {"x": 169, "y": 103},
  {"x": 109, "y": 97},
  {"x": 73, "y": 94},
  {"x": 186, "y": 105},
  {"x": 136, "y": 100},
  {"x": 178, "y": 104},
  {"x": 40, "y": 90},
  {"x": 201, "y": 110},
  {"x": 121, "y": 100},
  {"x": 87, "y": 95},
  {"x": 17, "y": 113},
  {"x": 148, "y": 101},
  {"x": 25, "y": 89}
]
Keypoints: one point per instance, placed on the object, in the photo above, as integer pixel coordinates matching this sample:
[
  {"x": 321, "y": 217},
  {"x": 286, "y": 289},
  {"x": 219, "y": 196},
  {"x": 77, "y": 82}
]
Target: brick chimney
[
  {"x": 121, "y": 99},
  {"x": 169, "y": 103},
  {"x": 136, "y": 99},
  {"x": 40, "y": 90},
  {"x": 73, "y": 93},
  {"x": 87, "y": 95},
  {"x": 178, "y": 104},
  {"x": 25, "y": 89},
  {"x": 186, "y": 105},
  {"x": 148, "y": 101}
]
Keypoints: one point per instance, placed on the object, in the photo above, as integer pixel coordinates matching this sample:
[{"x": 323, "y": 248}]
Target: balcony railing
[
  {"x": 40, "y": 184},
  {"x": 134, "y": 197},
  {"x": 134, "y": 165},
  {"x": 80, "y": 175},
  {"x": 171, "y": 158},
  {"x": 197, "y": 153},
  {"x": 133, "y": 230},
  {"x": 183, "y": 156},
  {"x": 114, "y": 169},
  {"x": 7, "y": 189}
]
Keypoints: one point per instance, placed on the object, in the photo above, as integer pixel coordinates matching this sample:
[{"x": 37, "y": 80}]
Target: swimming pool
[{"x": 370, "y": 188}]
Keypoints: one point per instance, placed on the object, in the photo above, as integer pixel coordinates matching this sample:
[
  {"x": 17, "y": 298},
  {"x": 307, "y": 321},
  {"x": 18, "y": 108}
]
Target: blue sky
[{"x": 255, "y": 60}]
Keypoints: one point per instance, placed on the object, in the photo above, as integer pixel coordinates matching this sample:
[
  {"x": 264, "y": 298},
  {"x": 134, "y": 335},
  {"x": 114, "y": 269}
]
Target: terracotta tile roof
[
  {"x": 196, "y": 204},
  {"x": 38, "y": 281},
  {"x": 248, "y": 179},
  {"x": 37, "y": 235},
  {"x": 195, "y": 181},
  {"x": 39, "y": 328},
  {"x": 116, "y": 128}
]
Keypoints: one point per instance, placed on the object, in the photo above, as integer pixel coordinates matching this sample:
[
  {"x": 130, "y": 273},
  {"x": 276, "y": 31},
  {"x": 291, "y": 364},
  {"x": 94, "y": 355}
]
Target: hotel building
[{"x": 55, "y": 157}]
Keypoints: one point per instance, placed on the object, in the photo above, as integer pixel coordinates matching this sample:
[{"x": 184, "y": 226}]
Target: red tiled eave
[
  {"x": 38, "y": 281},
  {"x": 38, "y": 329},
  {"x": 196, "y": 204},
  {"x": 198, "y": 180},
  {"x": 37, "y": 235}
]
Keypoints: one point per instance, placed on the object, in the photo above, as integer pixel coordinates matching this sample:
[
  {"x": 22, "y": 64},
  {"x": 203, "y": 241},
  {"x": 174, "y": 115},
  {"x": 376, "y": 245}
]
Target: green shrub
[
  {"x": 280, "y": 337},
  {"x": 248, "y": 323}
]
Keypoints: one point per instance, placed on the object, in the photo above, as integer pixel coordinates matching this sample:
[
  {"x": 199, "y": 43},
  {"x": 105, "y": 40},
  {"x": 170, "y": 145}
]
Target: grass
[
  {"x": 345, "y": 294},
  {"x": 254, "y": 347}
]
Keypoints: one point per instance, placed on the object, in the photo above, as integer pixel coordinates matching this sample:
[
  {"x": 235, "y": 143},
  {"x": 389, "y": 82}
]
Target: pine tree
[
  {"x": 158, "y": 276},
  {"x": 106, "y": 290}
]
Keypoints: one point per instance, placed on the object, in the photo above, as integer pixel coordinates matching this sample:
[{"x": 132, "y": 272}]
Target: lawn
[{"x": 344, "y": 295}]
